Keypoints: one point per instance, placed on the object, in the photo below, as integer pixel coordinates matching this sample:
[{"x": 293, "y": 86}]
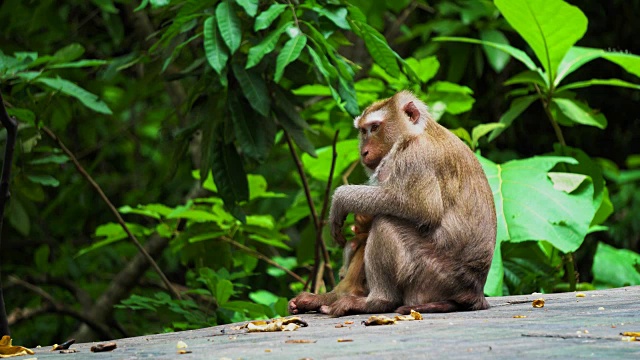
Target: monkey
[
  {"x": 433, "y": 228},
  {"x": 352, "y": 276}
]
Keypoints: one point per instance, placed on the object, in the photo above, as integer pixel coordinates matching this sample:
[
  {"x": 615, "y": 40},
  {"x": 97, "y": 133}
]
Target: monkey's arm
[{"x": 421, "y": 205}]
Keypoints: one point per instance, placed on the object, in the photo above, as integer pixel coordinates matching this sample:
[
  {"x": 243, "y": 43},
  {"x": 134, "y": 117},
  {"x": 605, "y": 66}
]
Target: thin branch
[
  {"x": 303, "y": 178},
  {"x": 260, "y": 256},
  {"x": 323, "y": 213},
  {"x": 293, "y": 10},
  {"x": 12, "y": 132},
  {"x": 114, "y": 211},
  {"x": 345, "y": 177},
  {"x": 556, "y": 127},
  {"x": 63, "y": 309}
]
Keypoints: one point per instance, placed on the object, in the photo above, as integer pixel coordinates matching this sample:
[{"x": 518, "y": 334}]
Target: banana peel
[{"x": 9, "y": 350}]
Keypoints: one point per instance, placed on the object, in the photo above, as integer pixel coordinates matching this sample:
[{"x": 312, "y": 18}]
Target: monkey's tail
[{"x": 441, "y": 307}]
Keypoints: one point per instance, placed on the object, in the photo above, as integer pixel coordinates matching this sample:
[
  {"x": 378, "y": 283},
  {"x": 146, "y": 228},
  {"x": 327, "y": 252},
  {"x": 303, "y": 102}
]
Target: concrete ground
[{"x": 569, "y": 326}]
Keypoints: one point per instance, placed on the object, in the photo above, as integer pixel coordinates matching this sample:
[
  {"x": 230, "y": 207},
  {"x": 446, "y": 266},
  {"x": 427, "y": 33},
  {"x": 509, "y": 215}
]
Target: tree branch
[
  {"x": 260, "y": 256},
  {"x": 114, "y": 211},
  {"x": 63, "y": 309},
  {"x": 12, "y": 132}
]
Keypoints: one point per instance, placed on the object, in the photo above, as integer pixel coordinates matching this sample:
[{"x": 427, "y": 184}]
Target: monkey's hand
[{"x": 336, "y": 232}]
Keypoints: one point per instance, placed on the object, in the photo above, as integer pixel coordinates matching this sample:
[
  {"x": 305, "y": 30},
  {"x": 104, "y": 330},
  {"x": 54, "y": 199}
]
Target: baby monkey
[{"x": 432, "y": 219}]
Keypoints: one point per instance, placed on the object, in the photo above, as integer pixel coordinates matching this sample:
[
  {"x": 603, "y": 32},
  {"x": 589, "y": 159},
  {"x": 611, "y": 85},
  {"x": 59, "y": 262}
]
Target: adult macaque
[{"x": 434, "y": 224}]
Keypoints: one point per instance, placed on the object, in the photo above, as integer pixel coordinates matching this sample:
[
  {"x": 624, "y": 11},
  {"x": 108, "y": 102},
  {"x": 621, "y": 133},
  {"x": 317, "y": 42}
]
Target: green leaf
[
  {"x": 289, "y": 53},
  {"x": 615, "y": 267},
  {"x": 574, "y": 59},
  {"x": 592, "y": 82},
  {"x": 425, "y": 68},
  {"x": 528, "y": 77},
  {"x": 80, "y": 64},
  {"x": 518, "y": 106},
  {"x": 348, "y": 94},
  {"x": 567, "y": 182},
  {"x": 229, "y": 25},
  {"x": 271, "y": 241},
  {"x": 258, "y": 188},
  {"x": 515, "y": 52},
  {"x": 497, "y": 59},
  {"x": 265, "y": 18},
  {"x": 318, "y": 168},
  {"x": 228, "y": 173},
  {"x": 263, "y": 297},
  {"x": 224, "y": 290},
  {"x": 18, "y": 217},
  {"x": 41, "y": 258},
  {"x": 529, "y": 208},
  {"x": 337, "y": 16},
  {"x": 580, "y": 113},
  {"x": 629, "y": 62},
  {"x": 266, "y": 46},
  {"x": 214, "y": 49},
  {"x": 482, "y": 130},
  {"x": 144, "y": 212},
  {"x": 23, "y": 115},
  {"x": 255, "y": 133},
  {"x": 250, "y": 6},
  {"x": 312, "y": 90},
  {"x": 550, "y": 27},
  {"x": 86, "y": 98},
  {"x": 457, "y": 98},
  {"x": 463, "y": 134},
  {"x": 46, "y": 180},
  {"x": 51, "y": 159},
  {"x": 68, "y": 53},
  {"x": 379, "y": 49},
  {"x": 254, "y": 89}
]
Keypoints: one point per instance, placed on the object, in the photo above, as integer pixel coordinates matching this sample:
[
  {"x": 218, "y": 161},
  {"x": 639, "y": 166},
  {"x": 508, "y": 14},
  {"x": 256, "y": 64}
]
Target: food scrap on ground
[
  {"x": 181, "y": 345},
  {"x": 519, "y": 316},
  {"x": 580, "y": 295},
  {"x": 9, "y": 350},
  {"x": 345, "y": 340},
  {"x": 68, "y": 351},
  {"x": 281, "y": 324},
  {"x": 104, "y": 347},
  {"x": 630, "y": 336},
  {"x": 300, "y": 341},
  {"x": 538, "y": 303},
  {"x": 414, "y": 315},
  {"x": 379, "y": 320}
]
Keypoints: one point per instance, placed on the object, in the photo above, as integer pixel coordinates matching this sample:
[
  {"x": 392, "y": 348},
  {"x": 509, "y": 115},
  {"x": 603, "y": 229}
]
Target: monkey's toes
[
  {"x": 293, "y": 307},
  {"x": 404, "y": 310}
]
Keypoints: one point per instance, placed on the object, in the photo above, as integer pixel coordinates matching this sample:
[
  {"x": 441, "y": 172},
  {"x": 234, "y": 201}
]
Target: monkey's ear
[{"x": 412, "y": 112}]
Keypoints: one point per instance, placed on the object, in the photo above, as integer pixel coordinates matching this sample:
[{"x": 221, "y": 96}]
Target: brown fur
[{"x": 434, "y": 224}]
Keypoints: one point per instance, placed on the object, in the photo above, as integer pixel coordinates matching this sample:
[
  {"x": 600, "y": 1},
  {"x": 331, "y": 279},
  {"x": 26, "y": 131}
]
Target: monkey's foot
[
  {"x": 305, "y": 302},
  {"x": 348, "y": 305}
]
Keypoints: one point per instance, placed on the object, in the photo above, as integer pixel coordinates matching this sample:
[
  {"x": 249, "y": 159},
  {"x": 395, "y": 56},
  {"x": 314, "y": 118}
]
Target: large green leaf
[
  {"x": 379, "y": 49},
  {"x": 214, "y": 49},
  {"x": 266, "y": 46},
  {"x": 255, "y": 133},
  {"x": 497, "y": 59},
  {"x": 425, "y": 68},
  {"x": 615, "y": 267},
  {"x": 318, "y": 168},
  {"x": 580, "y": 113},
  {"x": 629, "y": 62},
  {"x": 457, "y": 98},
  {"x": 592, "y": 82},
  {"x": 254, "y": 89},
  {"x": 229, "y": 25},
  {"x": 228, "y": 173},
  {"x": 249, "y": 6},
  {"x": 574, "y": 59},
  {"x": 266, "y": 17},
  {"x": 515, "y": 52},
  {"x": 530, "y": 208},
  {"x": 67, "y": 87},
  {"x": 289, "y": 53},
  {"x": 518, "y": 106},
  {"x": 550, "y": 27}
]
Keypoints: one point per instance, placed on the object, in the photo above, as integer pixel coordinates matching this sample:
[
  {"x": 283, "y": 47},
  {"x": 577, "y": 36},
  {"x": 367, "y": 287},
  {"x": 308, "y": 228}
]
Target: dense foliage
[{"x": 219, "y": 129}]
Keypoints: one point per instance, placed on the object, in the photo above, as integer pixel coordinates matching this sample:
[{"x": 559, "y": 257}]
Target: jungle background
[{"x": 212, "y": 127}]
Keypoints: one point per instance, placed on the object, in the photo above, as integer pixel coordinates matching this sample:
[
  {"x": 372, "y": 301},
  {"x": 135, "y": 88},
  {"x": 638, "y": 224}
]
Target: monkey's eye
[
  {"x": 374, "y": 127},
  {"x": 363, "y": 131}
]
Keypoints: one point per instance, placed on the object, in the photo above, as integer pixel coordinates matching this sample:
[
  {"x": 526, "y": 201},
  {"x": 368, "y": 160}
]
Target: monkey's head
[{"x": 387, "y": 121}]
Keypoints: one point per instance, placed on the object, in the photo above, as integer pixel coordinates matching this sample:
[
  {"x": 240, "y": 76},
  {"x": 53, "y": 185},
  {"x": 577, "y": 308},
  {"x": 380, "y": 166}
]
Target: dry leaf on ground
[
  {"x": 519, "y": 316},
  {"x": 345, "y": 340},
  {"x": 65, "y": 345},
  {"x": 9, "y": 350},
  {"x": 379, "y": 320},
  {"x": 283, "y": 324},
  {"x": 630, "y": 333}
]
